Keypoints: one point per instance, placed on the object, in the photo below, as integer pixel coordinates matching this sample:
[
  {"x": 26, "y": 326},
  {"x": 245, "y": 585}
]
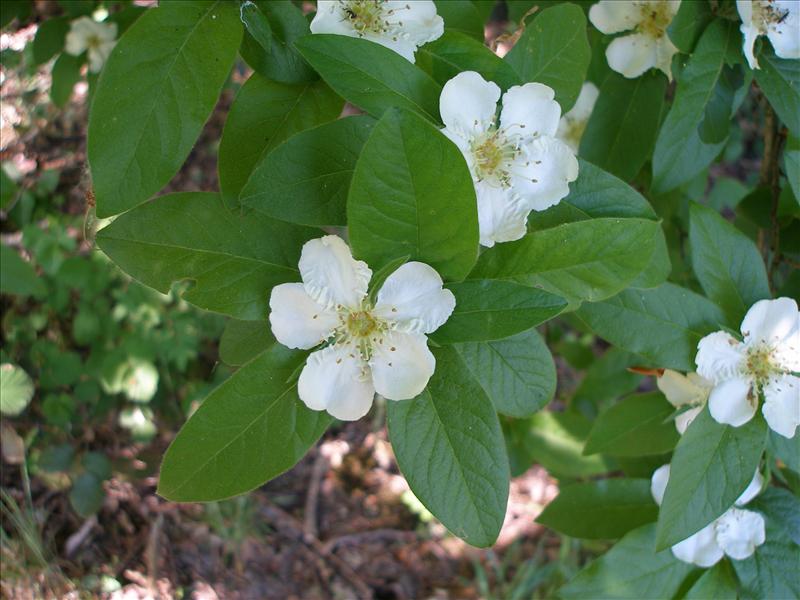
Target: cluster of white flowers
[
  {"x": 649, "y": 45},
  {"x": 779, "y": 20},
  {"x": 684, "y": 391},
  {"x": 763, "y": 363},
  {"x": 371, "y": 347},
  {"x": 399, "y": 25},
  {"x": 573, "y": 124},
  {"x": 736, "y": 533},
  {"x": 516, "y": 162},
  {"x": 94, "y": 38}
]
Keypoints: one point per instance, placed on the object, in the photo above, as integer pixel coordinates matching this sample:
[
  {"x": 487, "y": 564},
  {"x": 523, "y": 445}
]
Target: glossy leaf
[
  {"x": 462, "y": 17},
  {"x": 718, "y": 583},
  {"x": 604, "y": 509},
  {"x": 17, "y": 276},
  {"x": 791, "y": 162},
  {"x": 687, "y": 25},
  {"x": 65, "y": 74},
  {"x": 518, "y": 373},
  {"x": 779, "y": 78},
  {"x": 233, "y": 260},
  {"x": 487, "y": 309},
  {"x": 242, "y": 341},
  {"x": 306, "y": 179},
  {"x": 256, "y": 24},
  {"x": 156, "y": 92},
  {"x": 17, "y": 389},
  {"x": 370, "y": 76},
  {"x": 663, "y": 325},
  {"x": 638, "y": 425},
  {"x": 264, "y": 114},
  {"x": 250, "y": 429},
  {"x": 449, "y": 446},
  {"x": 554, "y": 50},
  {"x": 771, "y": 572},
  {"x": 412, "y": 194},
  {"x": 49, "y": 40},
  {"x": 711, "y": 467}
]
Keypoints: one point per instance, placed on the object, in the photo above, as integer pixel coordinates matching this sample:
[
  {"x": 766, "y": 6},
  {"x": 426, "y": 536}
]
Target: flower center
[
  {"x": 765, "y": 13},
  {"x": 93, "y": 42},
  {"x": 654, "y": 20},
  {"x": 361, "y": 324},
  {"x": 361, "y": 328},
  {"x": 492, "y": 153},
  {"x": 759, "y": 363}
]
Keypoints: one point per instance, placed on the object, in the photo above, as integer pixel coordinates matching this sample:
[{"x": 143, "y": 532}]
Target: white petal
[
  {"x": 680, "y": 389},
  {"x": 749, "y": 33},
  {"x": 468, "y": 103},
  {"x": 613, "y": 16},
  {"x": 584, "y": 105},
  {"x": 414, "y": 299},
  {"x": 330, "y": 273},
  {"x": 632, "y": 55},
  {"x": 419, "y": 20},
  {"x": 771, "y": 321},
  {"x": 683, "y": 420},
  {"x": 501, "y": 216},
  {"x": 733, "y": 402},
  {"x": 719, "y": 356},
  {"x": 753, "y": 489},
  {"x": 75, "y": 43},
  {"x": 404, "y": 47},
  {"x": 658, "y": 483},
  {"x": 782, "y": 405},
  {"x": 665, "y": 50},
  {"x": 785, "y": 36},
  {"x": 337, "y": 380},
  {"x": 401, "y": 365},
  {"x": 700, "y": 549},
  {"x": 541, "y": 176},
  {"x": 96, "y": 60},
  {"x": 530, "y": 110},
  {"x": 297, "y": 320},
  {"x": 739, "y": 531},
  {"x": 330, "y": 18}
]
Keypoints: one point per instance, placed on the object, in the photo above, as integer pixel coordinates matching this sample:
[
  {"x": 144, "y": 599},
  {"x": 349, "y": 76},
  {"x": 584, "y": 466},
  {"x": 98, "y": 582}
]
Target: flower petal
[
  {"x": 330, "y": 18},
  {"x": 680, "y": 389},
  {"x": 658, "y": 483},
  {"x": 632, "y": 55},
  {"x": 612, "y": 16},
  {"x": 733, "y": 402},
  {"x": 501, "y": 216},
  {"x": 417, "y": 19},
  {"x": 331, "y": 275},
  {"x": 468, "y": 103},
  {"x": 665, "y": 50},
  {"x": 401, "y": 365},
  {"x": 297, "y": 320},
  {"x": 542, "y": 175},
  {"x": 750, "y": 34},
  {"x": 753, "y": 489},
  {"x": 700, "y": 549},
  {"x": 782, "y": 405},
  {"x": 413, "y": 298},
  {"x": 785, "y": 36},
  {"x": 738, "y": 532},
  {"x": 771, "y": 321},
  {"x": 683, "y": 420},
  {"x": 337, "y": 380},
  {"x": 719, "y": 355},
  {"x": 530, "y": 110},
  {"x": 584, "y": 105}
]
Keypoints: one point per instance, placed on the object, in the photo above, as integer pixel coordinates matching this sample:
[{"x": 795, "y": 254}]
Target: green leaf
[
  {"x": 518, "y": 373},
  {"x": 281, "y": 62},
  {"x": 17, "y": 276},
  {"x": 250, "y": 429},
  {"x": 264, "y": 114},
  {"x": 726, "y": 262},
  {"x": 87, "y": 494},
  {"x": 257, "y": 25},
  {"x": 454, "y": 52},
  {"x": 604, "y": 509},
  {"x": 567, "y": 260},
  {"x": 779, "y": 79},
  {"x": 154, "y": 95},
  {"x": 412, "y": 194},
  {"x": 771, "y": 572},
  {"x": 791, "y": 162},
  {"x": 638, "y": 425},
  {"x": 607, "y": 378},
  {"x": 16, "y": 389},
  {"x": 461, "y": 16},
  {"x": 687, "y": 25},
  {"x": 663, "y": 325},
  {"x": 630, "y": 570},
  {"x": 788, "y": 450},
  {"x": 449, "y": 446},
  {"x": 718, "y": 583},
  {"x": 554, "y": 50},
  {"x": 65, "y": 74},
  {"x": 711, "y": 467},
  {"x": 242, "y": 341},
  {"x": 49, "y": 39},
  {"x": 721, "y": 105},
  {"x": 314, "y": 169},
  {"x": 233, "y": 260},
  {"x": 621, "y": 132},
  {"x": 370, "y": 76},
  {"x": 487, "y": 309},
  {"x": 680, "y": 154},
  {"x": 782, "y": 507}
]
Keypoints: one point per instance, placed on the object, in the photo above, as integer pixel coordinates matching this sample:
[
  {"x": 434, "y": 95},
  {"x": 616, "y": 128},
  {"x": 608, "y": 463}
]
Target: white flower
[
  {"x": 761, "y": 364},
  {"x": 378, "y": 347},
  {"x": 736, "y": 533},
  {"x": 649, "y": 45},
  {"x": 96, "y": 39},
  {"x": 398, "y": 25},
  {"x": 684, "y": 390},
  {"x": 779, "y": 20},
  {"x": 573, "y": 124},
  {"x": 517, "y": 164}
]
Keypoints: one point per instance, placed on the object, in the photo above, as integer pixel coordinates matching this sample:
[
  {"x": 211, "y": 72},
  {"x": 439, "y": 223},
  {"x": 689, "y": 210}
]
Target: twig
[
  {"x": 367, "y": 537},
  {"x": 769, "y": 177},
  {"x": 312, "y": 497},
  {"x": 76, "y": 539}
]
